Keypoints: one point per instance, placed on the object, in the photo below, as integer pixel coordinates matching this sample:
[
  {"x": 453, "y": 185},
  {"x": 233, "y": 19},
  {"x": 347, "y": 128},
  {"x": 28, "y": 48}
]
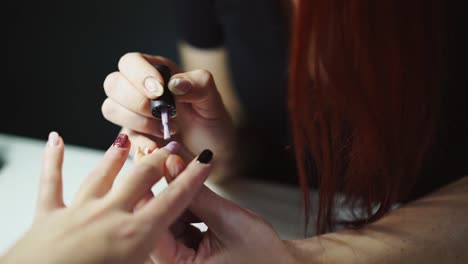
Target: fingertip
[
  {"x": 121, "y": 146},
  {"x": 179, "y": 86},
  {"x": 122, "y": 141},
  {"x": 54, "y": 147},
  {"x": 50, "y": 187},
  {"x": 144, "y": 200},
  {"x": 54, "y": 139},
  {"x": 140, "y": 144},
  {"x": 173, "y": 147},
  {"x": 153, "y": 87}
]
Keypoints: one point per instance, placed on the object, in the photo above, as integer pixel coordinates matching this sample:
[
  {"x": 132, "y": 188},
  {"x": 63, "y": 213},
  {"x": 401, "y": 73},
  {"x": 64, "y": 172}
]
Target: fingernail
[
  {"x": 53, "y": 138},
  {"x": 173, "y": 147},
  {"x": 205, "y": 156},
  {"x": 120, "y": 141},
  {"x": 147, "y": 150},
  {"x": 176, "y": 170},
  {"x": 179, "y": 86},
  {"x": 153, "y": 86}
]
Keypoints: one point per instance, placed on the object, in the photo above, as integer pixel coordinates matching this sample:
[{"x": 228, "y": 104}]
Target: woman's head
[{"x": 364, "y": 97}]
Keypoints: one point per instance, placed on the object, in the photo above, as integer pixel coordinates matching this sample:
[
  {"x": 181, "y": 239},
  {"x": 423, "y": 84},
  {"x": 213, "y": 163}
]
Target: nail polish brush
[{"x": 163, "y": 107}]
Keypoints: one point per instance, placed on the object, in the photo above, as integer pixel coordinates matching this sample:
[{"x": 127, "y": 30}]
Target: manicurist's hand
[
  {"x": 101, "y": 224},
  {"x": 201, "y": 122},
  {"x": 234, "y": 235}
]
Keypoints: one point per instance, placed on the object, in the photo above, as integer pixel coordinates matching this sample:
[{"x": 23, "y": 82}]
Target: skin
[
  {"x": 432, "y": 229},
  {"x": 429, "y": 230},
  {"x": 100, "y": 225},
  {"x": 232, "y": 232},
  {"x": 200, "y": 111},
  {"x": 215, "y": 60}
]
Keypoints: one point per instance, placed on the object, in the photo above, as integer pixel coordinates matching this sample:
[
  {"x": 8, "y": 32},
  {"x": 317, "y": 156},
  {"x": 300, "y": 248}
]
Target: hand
[
  {"x": 201, "y": 122},
  {"x": 234, "y": 235},
  {"x": 100, "y": 225}
]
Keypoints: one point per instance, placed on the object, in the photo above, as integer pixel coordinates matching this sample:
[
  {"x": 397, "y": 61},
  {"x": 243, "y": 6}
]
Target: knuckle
[
  {"x": 175, "y": 192},
  {"x": 51, "y": 177},
  {"x": 147, "y": 125},
  {"x": 126, "y": 229},
  {"x": 148, "y": 171},
  {"x": 181, "y": 189},
  {"x": 153, "y": 163},
  {"x": 145, "y": 168},
  {"x": 143, "y": 105},
  {"x": 205, "y": 76}
]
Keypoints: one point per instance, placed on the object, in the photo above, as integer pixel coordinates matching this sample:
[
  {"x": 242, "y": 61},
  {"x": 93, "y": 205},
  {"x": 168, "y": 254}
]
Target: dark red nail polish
[
  {"x": 205, "y": 156},
  {"x": 120, "y": 141}
]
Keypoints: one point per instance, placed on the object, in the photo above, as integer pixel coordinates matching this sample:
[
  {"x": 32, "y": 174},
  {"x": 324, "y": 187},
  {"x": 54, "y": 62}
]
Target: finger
[
  {"x": 221, "y": 215},
  {"x": 198, "y": 88},
  {"x": 138, "y": 181},
  {"x": 50, "y": 187},
  {"x": 121, "y": 116},
  {"x": 100, "y": 180},
  {"x": 147, "y": 171},
  {"x": 122, "y": 91},
  {"x": 140, "y": 71},
  {"x": 140, "y": 141},
  {"x": 170, "y": 204},
  {"x": 175, "y": 165},
  {"x": 144, "y": 201},
  {"x": 149, "y": 195}
]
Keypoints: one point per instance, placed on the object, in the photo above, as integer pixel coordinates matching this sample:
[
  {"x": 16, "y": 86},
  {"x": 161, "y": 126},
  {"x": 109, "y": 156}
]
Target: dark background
[{"x": 58, "y": 55}]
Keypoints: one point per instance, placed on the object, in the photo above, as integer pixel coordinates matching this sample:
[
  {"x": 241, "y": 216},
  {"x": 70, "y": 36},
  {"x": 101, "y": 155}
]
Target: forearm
[
  {"x": 433, "y": 229},
  {"x": 214, "y": 60}
]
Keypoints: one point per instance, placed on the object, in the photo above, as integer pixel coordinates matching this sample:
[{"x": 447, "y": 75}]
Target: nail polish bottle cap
[{"x": 166, "y": 101}]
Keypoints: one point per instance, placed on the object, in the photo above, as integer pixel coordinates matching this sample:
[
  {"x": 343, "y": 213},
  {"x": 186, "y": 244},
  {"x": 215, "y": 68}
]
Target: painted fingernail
[
  {"x": 173, "y": 147},
  {"x": 120, "y": 141},
  {"x": 153, "y": 86},
  {"x": 179, "y": 86},
  {"x": 205, "y": 156},
  {"x": 53, "y": 138}
]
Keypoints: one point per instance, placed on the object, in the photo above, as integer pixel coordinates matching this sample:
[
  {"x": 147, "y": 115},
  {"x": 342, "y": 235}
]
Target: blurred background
[{"x": 58, "y": 55}]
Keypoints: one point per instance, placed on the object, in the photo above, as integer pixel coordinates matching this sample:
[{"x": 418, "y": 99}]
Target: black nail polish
[{"x": 205, "y": 156}]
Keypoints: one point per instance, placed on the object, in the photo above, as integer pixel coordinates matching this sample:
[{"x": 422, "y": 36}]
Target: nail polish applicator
[{"x": 163, "y": 107}]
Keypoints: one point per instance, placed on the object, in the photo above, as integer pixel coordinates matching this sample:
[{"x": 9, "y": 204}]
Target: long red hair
[{"x": 364, "y": 99}]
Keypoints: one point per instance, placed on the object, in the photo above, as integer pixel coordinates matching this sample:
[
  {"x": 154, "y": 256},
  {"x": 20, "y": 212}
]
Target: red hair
[{"x": 364, "y": 99}]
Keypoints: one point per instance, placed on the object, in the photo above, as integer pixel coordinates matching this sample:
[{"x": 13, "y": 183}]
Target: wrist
[
  {"x": 296, "y": 253},
  {"x": 306, "y": 251}
]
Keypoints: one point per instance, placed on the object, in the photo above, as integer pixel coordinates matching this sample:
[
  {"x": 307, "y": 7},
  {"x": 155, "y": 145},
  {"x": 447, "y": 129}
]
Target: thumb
[{"x": 199, "y": 89}]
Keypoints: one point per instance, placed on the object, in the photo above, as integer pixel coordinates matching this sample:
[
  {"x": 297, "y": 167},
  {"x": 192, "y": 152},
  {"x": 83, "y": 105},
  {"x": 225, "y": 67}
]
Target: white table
[{"x": 280, "y": 205}]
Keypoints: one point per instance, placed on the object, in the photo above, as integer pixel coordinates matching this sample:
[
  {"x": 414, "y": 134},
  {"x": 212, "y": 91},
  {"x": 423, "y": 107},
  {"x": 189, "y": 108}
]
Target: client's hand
[
  {"x": 202, "y": 120},
  {"x": 234, "y": 235},
  {"x": 100, "y": 225}
]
